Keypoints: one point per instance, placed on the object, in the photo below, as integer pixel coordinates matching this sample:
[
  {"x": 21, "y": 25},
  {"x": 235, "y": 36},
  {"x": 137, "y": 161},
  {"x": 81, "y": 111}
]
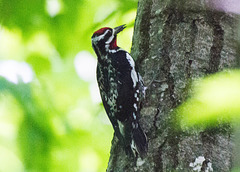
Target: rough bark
[{"x": 174, "y": 43}]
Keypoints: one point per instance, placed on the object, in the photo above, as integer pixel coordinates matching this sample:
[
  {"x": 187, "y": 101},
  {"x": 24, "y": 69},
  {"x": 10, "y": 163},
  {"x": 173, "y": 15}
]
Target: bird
[{"x": 121, "y": 88}]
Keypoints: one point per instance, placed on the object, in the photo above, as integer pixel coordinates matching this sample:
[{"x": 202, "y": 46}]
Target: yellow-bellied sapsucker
[{"x": 121, "y": 88}]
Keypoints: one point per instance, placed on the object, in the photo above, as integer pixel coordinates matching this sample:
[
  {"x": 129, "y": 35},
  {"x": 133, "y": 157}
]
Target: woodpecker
[{"x": 121, "y": 88}]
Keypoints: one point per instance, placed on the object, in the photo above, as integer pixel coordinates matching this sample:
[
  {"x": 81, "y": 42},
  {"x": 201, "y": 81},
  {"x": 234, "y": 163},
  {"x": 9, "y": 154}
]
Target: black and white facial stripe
[{"x": 107, "y": 36}]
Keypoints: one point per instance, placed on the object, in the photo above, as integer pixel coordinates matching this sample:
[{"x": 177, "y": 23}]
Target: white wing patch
[
  {"x": 134, "y": 116},
  {"x": 135, "y": 106},
  {"x": 133, "y": 72}
]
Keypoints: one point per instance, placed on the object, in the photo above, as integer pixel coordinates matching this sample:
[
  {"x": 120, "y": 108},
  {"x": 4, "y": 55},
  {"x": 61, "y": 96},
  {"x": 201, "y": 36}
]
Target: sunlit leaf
[{"x": 216, "y": 99}]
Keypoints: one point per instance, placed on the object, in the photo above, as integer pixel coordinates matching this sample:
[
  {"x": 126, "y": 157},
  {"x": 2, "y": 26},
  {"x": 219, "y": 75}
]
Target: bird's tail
[{"x": 139, "y": 142}]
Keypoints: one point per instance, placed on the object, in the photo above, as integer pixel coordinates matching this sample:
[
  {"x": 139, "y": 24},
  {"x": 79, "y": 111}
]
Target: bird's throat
[{"x": 113, "y": 44}]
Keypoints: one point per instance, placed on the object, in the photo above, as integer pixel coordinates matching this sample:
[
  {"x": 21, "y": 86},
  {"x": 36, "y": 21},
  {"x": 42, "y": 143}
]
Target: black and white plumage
[{"x": 121, "y": 88}]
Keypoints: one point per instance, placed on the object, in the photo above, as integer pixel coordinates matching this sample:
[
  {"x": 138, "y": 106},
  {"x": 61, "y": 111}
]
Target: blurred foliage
[
  {"x": 215, "y": 100},
  {"x": 53, "y": 120}
]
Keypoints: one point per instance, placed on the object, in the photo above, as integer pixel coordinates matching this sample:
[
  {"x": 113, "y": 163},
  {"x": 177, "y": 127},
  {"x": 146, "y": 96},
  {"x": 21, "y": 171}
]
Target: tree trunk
[{"x": 174, "y": 42}]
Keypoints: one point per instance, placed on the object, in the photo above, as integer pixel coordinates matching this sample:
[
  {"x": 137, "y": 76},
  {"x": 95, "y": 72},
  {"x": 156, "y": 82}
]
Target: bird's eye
[{"x": 108, "y": 33}]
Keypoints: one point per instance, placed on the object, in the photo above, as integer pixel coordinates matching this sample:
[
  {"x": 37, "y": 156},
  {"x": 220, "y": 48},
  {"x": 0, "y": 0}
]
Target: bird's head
[{"x": 107, "y": 36}]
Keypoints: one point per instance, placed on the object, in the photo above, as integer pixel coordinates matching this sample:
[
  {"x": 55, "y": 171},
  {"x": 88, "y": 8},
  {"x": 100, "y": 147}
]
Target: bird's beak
[{"x": 119, "y": 29}]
